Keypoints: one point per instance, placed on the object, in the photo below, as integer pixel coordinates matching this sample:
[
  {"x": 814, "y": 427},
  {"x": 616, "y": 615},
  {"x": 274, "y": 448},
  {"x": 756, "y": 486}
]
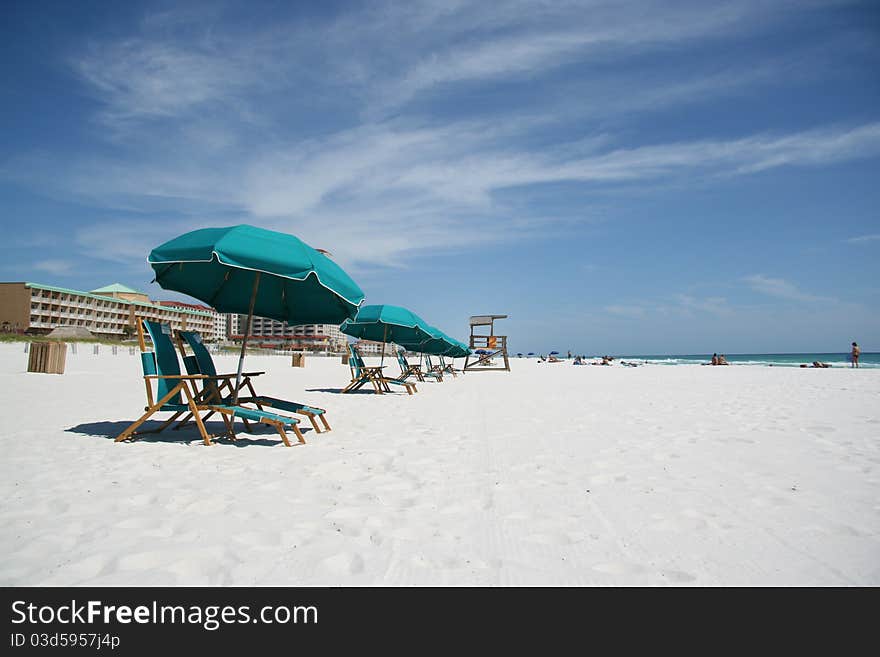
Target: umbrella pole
[
  {"x": 384, "y": 337},
  {"x": 247, "y": 331}
]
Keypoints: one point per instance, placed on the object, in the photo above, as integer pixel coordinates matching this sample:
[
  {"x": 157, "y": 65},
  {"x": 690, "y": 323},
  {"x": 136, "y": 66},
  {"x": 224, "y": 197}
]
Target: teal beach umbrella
[
  {"x": 297, "y": 283},
  {"x": 459, "y": 350},
  {"x": 438, "y": 343},
  {"x": 386, "y": 323},
  {"x": 245, "y": 269}
]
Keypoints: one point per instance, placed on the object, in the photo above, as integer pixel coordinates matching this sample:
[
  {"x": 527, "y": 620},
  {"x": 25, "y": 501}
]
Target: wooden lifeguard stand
[{"x": 495, "y": 345}]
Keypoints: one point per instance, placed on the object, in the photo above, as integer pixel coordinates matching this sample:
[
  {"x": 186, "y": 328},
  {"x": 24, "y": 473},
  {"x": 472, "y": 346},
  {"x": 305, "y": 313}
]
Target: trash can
[
  {"x": 345, "y": 358},
  {"x": 298, "y": 360},
  {"x": 47, "y": 357}
]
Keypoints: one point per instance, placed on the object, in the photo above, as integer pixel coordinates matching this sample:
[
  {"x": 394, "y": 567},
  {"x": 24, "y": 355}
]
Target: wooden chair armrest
[{"x": 175, "y": 376}]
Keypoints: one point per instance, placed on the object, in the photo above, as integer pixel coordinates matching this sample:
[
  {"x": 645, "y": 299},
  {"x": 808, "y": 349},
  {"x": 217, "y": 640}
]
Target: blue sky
[{"x": 619, "y": 177}]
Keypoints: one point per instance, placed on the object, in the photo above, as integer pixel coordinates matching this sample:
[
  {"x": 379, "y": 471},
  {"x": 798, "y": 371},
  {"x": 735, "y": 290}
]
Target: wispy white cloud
[
  {"x": 717, "y": 306},
  {"x": 54, "y": 266},
  {"x": 399, "y": 186},
  {"x": 863, "y": 239},
  {"x": 124, "y": 243},
  {"x": 183, "y": 61},
  {"x": 215, "y": 122},
  {"x": 631, "y": 311},
  {"x": 679, "y": 305},
  {"x": 780, "y": 288},
  {"x": 139, "y": 79},
  {"x": 538, "y": 39},
  {"x": 465, "y": 163}
]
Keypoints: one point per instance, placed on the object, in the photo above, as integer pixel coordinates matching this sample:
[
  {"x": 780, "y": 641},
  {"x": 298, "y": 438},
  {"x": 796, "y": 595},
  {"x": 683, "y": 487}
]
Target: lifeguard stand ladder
[{"x": 494, "y": 345}]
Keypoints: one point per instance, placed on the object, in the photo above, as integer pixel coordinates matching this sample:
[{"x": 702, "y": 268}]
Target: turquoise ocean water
[
  {"x": 779, "y": 360},
  {"x": 869, "y": 360}
]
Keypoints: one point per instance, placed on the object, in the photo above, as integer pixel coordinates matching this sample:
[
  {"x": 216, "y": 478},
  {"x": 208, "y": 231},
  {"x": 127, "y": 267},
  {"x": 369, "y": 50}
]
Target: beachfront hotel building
[
  {"x": 373, "y": 348},
  {"x": 314, "y": 337},
  {"x": 219, "y": 320},
  {"x": 106, "y": 311}
]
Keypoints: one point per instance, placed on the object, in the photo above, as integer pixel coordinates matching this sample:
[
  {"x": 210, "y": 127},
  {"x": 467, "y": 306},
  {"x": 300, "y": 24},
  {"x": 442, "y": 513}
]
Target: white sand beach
[{"x": 548, "y": 475}]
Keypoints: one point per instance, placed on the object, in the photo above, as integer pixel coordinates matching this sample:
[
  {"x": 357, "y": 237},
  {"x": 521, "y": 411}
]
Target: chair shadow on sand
[
  {"x": 361, "y": 391},
  {"x": 338, "y": 391},
  {"x": 188, "y": 434}
]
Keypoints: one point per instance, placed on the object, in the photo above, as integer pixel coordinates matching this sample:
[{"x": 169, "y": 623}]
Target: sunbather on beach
[
  {"x": 722, "y": 360},
  {"x": 854, "y": 355},
  {"x": 714, "y": 359}
]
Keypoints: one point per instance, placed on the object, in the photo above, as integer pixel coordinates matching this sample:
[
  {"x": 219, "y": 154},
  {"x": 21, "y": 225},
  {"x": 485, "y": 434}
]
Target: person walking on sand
[{"x": 854, "y": 354}]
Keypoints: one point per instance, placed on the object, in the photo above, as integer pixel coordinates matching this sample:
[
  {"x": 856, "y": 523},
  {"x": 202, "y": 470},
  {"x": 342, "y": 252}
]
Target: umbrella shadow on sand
[{"x": 189, "y": 434}]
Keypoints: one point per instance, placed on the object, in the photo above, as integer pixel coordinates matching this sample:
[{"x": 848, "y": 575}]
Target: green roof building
[
  {"x": 107, "y": 311},
  {"x": 120, "y": 291}
]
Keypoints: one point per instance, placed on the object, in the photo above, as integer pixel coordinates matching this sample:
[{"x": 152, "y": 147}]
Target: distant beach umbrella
[
  {"x": 554, "y": 353},
  {"x": 531, "y": 353},
  {"x": 254, "y": 271},
  {"x": 386, "y": 323},
  {"x": 438, "y": 344},
  {"x": 458, "y": 350}
]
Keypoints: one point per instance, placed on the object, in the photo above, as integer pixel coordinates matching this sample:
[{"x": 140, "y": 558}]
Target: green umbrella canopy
[
  {"x": 458, "y": 350},
  {"x": 386, "y": 323},
  {"x": 219, "y": 265},
  {"x": 438, "y": 343}
]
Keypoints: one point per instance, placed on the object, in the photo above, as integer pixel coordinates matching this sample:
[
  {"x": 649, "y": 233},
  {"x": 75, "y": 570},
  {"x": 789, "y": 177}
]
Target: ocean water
[{"x": 870, "y": 360}]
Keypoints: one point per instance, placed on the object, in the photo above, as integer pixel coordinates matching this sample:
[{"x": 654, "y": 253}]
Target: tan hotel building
[
  {"x": 37, "y": 308},
  {"x": 314, "y": 337}
]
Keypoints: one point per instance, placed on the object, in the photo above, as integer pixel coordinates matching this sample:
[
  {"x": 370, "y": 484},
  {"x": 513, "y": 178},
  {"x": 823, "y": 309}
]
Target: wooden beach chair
[
  {"x": 449, "y": 367},
  {"x": 176, "y": 393},
  {"x": 407, "y": 370},
  {"x": 401, "y": 358},
  {"x": 361, "y": 375},
  {"x": 433, "y": 370},
  {"x": 201, "y": 362}
]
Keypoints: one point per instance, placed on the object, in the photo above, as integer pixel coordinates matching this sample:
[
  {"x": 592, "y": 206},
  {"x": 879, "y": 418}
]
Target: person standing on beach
[{"x": 855, "y": 355}]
